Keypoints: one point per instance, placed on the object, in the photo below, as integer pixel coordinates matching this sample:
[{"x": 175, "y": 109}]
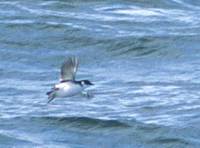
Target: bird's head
[{"x": 86, "y": 83}]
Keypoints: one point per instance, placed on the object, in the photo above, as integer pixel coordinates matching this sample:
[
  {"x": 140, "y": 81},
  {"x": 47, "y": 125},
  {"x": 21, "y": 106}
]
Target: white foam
[
  {"x": 141, "y": 12},
  {"x": 16, "y": 21}
]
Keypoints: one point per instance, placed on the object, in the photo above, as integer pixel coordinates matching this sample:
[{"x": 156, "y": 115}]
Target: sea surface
[{"x": 142, "y": 55}]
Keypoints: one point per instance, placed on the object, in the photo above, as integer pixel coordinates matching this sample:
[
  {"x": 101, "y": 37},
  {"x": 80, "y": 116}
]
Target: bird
[{"x": 68, "y": 86}]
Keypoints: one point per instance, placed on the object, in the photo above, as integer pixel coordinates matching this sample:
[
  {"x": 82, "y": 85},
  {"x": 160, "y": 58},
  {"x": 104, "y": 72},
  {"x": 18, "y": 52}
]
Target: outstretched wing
[{"x": 69, "y": 68}]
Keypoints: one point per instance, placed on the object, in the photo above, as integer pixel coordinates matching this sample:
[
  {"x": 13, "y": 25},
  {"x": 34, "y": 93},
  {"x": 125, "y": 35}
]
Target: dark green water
[{"x": 142, "y": 56}]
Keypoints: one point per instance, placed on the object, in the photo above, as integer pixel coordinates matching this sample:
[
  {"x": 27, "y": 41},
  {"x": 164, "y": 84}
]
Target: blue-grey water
[{"x": 142, "y": 55}]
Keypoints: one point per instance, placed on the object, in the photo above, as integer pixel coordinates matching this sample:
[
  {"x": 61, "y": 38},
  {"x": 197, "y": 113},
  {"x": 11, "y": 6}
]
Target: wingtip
[
  {"x": 49, "y": 92},
  {"x": 51, "y": 97}
]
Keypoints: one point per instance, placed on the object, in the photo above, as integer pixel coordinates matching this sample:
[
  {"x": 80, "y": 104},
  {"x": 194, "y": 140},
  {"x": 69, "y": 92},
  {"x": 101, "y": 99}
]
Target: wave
[
  {"x": 81, "y": 122},
  {"x": 137, "y": 47},
  {"x": 124, "y": 131},
  {"x": 187, "y": 5},
  {"x": 9, "y": 140},
  {"x": 169, "y": 140}
]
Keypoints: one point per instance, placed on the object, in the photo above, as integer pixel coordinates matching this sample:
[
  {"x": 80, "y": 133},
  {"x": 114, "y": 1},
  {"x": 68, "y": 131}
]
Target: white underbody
[{"x": 68, "y": 89}]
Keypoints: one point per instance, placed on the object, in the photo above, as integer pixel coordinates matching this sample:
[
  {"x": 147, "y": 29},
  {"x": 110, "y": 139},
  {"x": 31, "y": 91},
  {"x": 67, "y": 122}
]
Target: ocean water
[{"x": 142, "y": 55}]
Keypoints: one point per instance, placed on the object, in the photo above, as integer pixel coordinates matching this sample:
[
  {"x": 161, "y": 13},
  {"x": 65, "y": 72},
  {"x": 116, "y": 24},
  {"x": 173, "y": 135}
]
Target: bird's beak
[{"x": 91, "y": 83}]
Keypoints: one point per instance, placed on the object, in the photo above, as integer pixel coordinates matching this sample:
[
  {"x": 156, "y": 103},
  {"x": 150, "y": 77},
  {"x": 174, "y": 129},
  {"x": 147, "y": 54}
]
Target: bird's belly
[{"x": 69, "y": 91}]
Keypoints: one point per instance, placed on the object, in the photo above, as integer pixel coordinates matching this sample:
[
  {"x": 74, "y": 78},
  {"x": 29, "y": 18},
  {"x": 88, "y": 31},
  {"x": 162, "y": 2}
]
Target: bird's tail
[{"x": 51, "y": 95}]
